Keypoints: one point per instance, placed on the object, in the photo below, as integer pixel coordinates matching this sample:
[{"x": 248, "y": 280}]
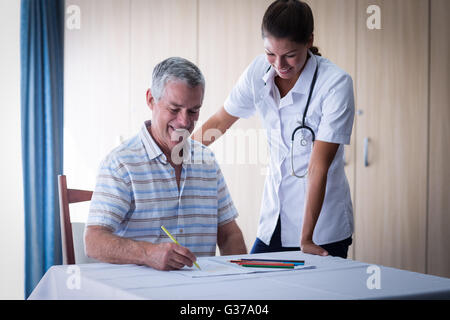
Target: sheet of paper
[{"x": 210, "y": 268}]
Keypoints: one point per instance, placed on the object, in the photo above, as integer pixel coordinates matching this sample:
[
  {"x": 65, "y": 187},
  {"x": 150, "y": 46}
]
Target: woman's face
[{"x": 286, "y": 56}]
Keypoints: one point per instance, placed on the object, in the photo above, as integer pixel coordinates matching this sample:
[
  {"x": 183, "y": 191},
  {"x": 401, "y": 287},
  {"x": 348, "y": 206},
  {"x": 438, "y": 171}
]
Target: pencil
[
  {"x": 275, "y": 260},
  {"x": 267, "y": 266},
  {"x": 262, "y": 261},
  {"x": 256, "y": 263},
  {"x": 175, "y": 240}
]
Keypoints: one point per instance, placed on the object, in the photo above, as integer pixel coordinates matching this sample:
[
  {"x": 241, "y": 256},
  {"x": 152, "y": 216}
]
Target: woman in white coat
[{"x": 307, "y": 106}]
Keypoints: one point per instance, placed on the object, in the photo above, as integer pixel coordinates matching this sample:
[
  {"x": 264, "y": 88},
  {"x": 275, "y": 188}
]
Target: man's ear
[{"x": 150, "y": 99}]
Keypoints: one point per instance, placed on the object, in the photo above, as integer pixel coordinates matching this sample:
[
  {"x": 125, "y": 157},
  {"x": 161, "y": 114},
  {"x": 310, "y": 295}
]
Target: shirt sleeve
[
  {"x": 338, "y": 111},
  {"x": 226, "y": 211},
  {"x": 111, "y": 200},
  {"x": 240, "y": 101}
]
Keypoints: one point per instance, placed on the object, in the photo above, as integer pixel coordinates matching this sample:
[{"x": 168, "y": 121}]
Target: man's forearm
[
  {"x": 107, "y": 247},
  {"x": 234, "y": 244}
]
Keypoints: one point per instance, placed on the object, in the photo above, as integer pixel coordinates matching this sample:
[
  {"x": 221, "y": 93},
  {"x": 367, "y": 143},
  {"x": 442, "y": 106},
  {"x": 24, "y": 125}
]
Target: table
[{"x": 329, "y": 278}]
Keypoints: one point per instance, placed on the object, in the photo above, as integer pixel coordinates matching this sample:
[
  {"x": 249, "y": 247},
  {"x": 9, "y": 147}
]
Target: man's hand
[
  {"x": 308, "y": 246},
  {"x": 167, "y": 256},
  {"x": 103, "y": 245}
]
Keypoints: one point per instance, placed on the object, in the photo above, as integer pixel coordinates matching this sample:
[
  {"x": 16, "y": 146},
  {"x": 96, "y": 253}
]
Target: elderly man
[{"x": 154, "y": 180}]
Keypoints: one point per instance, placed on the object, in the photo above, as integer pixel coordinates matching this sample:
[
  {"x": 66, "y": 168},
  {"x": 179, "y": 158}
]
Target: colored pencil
[
  {"x": 260, "y": 263},
  {"x": 266, "y": 266},
  {"x": 275, "y": 260},
  {"x": 267, "y": 261}
]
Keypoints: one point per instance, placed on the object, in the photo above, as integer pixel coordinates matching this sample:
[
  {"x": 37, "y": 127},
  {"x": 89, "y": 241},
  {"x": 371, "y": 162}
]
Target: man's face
[{"x": 175, "y": 113}]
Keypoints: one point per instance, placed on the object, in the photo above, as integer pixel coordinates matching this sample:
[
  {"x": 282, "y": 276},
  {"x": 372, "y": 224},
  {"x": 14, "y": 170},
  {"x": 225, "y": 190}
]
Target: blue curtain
[{"x": 42, "y": 53}]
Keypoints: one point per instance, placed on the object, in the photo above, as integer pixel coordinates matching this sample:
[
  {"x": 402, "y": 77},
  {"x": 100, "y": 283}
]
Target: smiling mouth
[
  {"x": 178, "y": 130},
  {"x": 178, "y": 135},
  {"x": 284, "y": 71}
]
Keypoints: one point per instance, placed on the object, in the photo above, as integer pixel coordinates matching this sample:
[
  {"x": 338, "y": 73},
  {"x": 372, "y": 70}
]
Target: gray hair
[{"x": 175, "y": 69}]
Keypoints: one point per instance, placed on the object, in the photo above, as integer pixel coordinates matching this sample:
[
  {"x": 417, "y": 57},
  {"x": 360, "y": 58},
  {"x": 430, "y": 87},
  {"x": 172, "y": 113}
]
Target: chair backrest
[{"x": 66, "y": 197}]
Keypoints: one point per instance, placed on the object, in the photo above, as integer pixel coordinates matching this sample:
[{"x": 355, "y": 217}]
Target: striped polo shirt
[{"x": 137, "y": 192}]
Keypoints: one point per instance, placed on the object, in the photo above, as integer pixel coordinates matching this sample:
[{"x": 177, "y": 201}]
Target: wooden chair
[{"x": 66, "y": 197}]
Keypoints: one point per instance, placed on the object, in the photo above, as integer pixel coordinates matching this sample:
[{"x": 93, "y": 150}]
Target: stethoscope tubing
[{"x": 303, "y": 125}]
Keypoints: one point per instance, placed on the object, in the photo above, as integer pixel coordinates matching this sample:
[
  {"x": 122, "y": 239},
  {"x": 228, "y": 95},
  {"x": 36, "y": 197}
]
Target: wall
[
  {"x": 11, "y": 194},
  {"x": 108, "y": 65},
  {"x": 85, "y": 144},
  {"x": 399, "y": 221}
]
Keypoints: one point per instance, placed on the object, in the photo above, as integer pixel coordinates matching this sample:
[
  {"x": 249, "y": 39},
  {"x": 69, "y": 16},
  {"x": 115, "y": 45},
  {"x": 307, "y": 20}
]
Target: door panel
[
  {"x": 438, "y": 243},
  {"x": 392, "y": 82}
]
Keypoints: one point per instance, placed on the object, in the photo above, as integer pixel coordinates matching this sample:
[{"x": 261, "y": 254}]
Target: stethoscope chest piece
[{"x": 303, "y": 141}]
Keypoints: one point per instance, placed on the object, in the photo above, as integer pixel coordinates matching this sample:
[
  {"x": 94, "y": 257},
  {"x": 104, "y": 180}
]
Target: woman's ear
[{"x": 310, "y": 41}]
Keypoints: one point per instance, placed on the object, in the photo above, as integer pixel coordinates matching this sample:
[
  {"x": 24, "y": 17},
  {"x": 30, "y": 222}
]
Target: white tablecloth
[{"x": 329, "y": 278}]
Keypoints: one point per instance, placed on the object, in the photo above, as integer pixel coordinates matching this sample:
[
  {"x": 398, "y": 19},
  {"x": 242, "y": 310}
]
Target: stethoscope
[{"x": 303, "y": 126}]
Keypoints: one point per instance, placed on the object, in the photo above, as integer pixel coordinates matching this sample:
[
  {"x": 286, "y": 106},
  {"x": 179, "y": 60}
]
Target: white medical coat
[{"x": 330, "y": 115}]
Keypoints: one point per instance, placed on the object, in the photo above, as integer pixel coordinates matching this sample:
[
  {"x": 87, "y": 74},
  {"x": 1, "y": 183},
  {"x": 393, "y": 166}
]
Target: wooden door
[
  {"x": 438, "y": 244},
  {"x": 392, "y": 91}
]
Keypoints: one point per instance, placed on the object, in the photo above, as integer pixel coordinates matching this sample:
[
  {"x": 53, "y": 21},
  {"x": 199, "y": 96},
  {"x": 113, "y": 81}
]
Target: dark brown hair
[{"x": 289, "y": 19}]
